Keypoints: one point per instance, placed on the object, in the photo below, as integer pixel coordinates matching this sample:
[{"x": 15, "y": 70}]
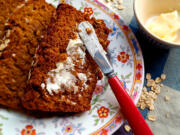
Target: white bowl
[{"x": 145, "y": 9}]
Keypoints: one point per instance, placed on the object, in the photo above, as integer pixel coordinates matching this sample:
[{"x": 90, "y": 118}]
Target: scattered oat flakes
[
  {"x": 63, "y": 1},
  {"x": 143, "y": 106},
  {"x": 166, "y": 98},
  {"x": 161, "y": 85},
  {"x": 157, "y": 89},
  {"x": 116, "y": 3},
  {"x": 89, "y": 31},
  {"x": 163, "y": 76},
  {"x": 8, "y": 33},
  {"x": 148, "y": 97},
  {"x": 27, "y": 20},
  {"x": 63, "y": 98},
  {"x": 151, "y": 108},
  {"x": 152, "y": 88},
  {"x": 42, "y": 36},
  {"x": 14, "y": 55},
  {"x": 108, "y": 1},
  {"x": 151, "y": 117},
  {"x": 13, "y": 80},
  {"x": 120, "y": 1},
  {"x": 158, "y": 80},
  {"x": 127, "y": 128},
  {"x": 4, "y": 44},
  {"x": 6, "y": 24},
  {"x": 138, "y": 104},
  {"x": 120, "y": 7},
  {"x": 148, "y": 76},
  {"x": 150, "y": 83},
  {"x": 68, "y": 101},
  {"x": 167, "y": 115},
  {"x": 144, "y": 89}
]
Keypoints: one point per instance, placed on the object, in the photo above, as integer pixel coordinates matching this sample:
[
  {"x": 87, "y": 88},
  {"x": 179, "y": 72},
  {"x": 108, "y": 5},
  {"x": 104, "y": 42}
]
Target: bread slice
[
  {"x": 7, "y": 7},
  {"x": 64, "y": 75},
  {"x": 23, "y": 32}
]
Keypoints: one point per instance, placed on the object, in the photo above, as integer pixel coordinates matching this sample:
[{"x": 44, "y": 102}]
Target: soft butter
[{"x": 165, "y": 26}]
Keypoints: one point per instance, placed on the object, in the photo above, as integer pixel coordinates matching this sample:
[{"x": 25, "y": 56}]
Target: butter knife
[{"x": 128, "y": 108}]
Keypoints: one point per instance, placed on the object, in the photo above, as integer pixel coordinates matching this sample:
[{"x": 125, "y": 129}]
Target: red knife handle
[{"x": 128, "y": 108}]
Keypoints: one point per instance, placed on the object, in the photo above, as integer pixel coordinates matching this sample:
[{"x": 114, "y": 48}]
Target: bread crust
[
  {"x": 23, "y": 32},
  {"x": 52, "y": 50}
]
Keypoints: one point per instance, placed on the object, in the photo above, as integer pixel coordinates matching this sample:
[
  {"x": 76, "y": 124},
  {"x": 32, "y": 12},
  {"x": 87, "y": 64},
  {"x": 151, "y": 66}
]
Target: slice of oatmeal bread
[
  {"x": 64, "y": 75},
  {"x": 22, "y": 34}
]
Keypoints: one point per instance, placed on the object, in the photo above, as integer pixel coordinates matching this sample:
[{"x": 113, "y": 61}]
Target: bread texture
[
  {"x": 7, "y": 7},
  {"x": 53, "y": 50},
  {"x": 23, "y": 32}
]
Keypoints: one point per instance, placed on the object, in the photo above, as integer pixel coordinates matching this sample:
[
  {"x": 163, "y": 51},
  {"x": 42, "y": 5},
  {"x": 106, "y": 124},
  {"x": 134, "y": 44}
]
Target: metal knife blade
[{"x": 94, "y": 47}]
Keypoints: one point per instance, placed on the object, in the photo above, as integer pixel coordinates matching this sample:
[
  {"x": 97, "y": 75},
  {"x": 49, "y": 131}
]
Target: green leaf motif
[
  {"x": 1, "y": 131},
  {"x": 136, "y": 89},
  {"x": 95, "y": 100},
  {"x": 3, "y": 117},
  {"x": 122, "y": 77},
  {"x": 106, "y": 84},
  {"x": 70, "y": 3},
  {"x": 128, "y": 81},
  {"x": 96, "y": 13},
  {"x": 114, "y": 108},
  {"x": 96, "y": 121},
  {"x": 82, "y": 6},
  {"x": 128, "y": 75},
  {"x": 93, "y": 108},
  {"x": 109, "y": 105},
  {"x": 95, "y": 116},
  {"x": 111, "y": 112},
  {"x": 102, "y": 120}
]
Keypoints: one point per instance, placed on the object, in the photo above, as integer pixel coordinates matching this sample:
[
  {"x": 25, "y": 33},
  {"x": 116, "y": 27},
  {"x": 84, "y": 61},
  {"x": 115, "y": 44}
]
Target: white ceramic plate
[{"x": 104, "y": 116}]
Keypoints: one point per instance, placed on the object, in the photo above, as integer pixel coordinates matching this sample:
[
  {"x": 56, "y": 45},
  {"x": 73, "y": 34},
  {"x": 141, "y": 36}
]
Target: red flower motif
[
  {"x": 98, "y": 89},
  {"x": 28, "y": 130},
  {"x": 118, "y": 119},
  {"x": 123, "y": 57},
  {"x": 116, "y": 16},
  {"x": 125, "y": 27},
  {"x": 104, "y": 132},
  {"x": 68, "y": 129},
  {"x": 103, "y": 112},
  {"x": 139, "y": 66},
  {"x": 88, "y": 11},
  {"x": 138, "y": 76}
]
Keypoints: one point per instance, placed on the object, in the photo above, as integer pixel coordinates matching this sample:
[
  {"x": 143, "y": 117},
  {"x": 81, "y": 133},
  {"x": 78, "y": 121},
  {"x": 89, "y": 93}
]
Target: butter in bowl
[{"x": 159, "y": 20}]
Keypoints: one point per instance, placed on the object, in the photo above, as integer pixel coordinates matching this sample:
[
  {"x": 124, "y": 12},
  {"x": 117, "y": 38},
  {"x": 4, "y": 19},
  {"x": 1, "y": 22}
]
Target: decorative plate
[{"x": 104, "y": 116}]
